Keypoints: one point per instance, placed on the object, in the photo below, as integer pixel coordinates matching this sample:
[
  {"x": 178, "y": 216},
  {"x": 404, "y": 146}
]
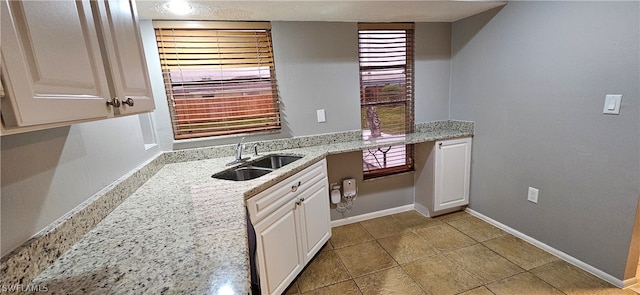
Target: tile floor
[{"x": 406, "y": 253}]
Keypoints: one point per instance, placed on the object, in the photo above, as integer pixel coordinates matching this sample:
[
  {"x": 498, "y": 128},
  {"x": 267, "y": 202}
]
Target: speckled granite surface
[
  {"x": 24, "y": 263},
  {"x": 183, "y": 232},
  {"x": 180, "y": 233}
]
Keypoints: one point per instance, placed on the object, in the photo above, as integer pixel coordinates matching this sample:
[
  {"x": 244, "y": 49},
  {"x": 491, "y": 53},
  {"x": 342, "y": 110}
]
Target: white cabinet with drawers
[{"x": 292, "y": 223}]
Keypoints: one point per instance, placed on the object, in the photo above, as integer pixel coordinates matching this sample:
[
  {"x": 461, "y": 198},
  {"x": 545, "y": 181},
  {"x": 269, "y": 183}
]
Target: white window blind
[
  {"x": 386, "y": 94},
  {"x": 219, "y": 77}
]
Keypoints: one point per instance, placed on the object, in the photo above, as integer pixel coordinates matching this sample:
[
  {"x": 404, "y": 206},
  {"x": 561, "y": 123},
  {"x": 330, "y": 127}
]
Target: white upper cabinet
[
  {"x": 62, "y": 61},
  {"x": 119, "y": 22},
  {"x": 51, "y": 63}
]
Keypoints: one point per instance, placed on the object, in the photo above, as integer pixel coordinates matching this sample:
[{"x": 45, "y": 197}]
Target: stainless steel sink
[
  {"x": 242, "y": 173},
  {"x": 274, "y": 161},
  {"x": 256, "y": 168}
]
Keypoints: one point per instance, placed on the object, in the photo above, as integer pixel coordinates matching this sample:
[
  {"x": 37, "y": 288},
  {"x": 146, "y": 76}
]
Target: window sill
[{"x": 381, "y": 177}]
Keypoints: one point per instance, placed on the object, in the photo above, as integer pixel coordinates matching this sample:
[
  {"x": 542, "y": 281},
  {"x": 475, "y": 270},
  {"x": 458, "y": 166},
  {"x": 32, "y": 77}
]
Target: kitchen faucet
[{"x": 239, "y": 158}]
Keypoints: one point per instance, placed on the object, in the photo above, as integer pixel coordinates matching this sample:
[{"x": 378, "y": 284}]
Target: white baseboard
[
  {"x": 367, "y": 216},
  {"x": 564, "y": 256},
  {"x": 421, "y": 209}
]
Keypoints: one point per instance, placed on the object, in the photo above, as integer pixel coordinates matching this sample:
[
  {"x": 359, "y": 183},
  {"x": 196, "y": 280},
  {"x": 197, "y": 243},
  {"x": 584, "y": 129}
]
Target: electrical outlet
[{"x": 532, "y": 196}]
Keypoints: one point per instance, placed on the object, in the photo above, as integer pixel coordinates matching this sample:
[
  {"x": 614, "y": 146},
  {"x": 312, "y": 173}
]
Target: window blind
[
  {"x": 219, "y": 77},
  {"x": 386, "y": 94}
]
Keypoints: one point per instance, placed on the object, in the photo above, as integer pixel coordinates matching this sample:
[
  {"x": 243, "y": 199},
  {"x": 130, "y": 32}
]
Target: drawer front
[{"x": 271, "y": 199}]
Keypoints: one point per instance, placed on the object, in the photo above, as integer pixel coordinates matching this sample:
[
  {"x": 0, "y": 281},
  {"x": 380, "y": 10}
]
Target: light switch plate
[
  {"x": 612, "y": 104},
  {"x": 532, "y": 195},
  {"x": 321, "y": 116}
]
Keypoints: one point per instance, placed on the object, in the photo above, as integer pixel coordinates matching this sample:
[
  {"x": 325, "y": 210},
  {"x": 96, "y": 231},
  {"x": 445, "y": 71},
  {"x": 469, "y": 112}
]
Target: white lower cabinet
[
  {"x": 289, "y": 234},
  {"x": 279, "y": 248},
  {"x": 442, "y": 175},
  {"x": 452, "y": 173},
  {"x": 315, "y": 219}
]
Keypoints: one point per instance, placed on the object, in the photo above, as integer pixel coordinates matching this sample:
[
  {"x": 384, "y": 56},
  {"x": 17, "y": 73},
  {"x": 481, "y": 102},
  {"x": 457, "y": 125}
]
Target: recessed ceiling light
[{"x": 179, "y": 7}]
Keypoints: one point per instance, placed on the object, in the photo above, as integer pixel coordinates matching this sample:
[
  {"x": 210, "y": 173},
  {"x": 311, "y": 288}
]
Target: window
[
  {"x": 219, "y": 77},
  {"x": 386, "y": 95}
]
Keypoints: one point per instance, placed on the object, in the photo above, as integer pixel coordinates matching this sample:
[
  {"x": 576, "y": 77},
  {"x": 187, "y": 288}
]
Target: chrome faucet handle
[{"x": 255, "y": 148}]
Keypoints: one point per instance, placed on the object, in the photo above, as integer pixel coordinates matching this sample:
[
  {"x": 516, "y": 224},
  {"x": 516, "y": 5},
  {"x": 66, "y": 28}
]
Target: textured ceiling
[{"x": 342, "y": 11}]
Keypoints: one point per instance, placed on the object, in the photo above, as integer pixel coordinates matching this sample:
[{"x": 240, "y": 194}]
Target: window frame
[
  {"x": 407, "y": 95},
  {"x": 245, "y": 105}
]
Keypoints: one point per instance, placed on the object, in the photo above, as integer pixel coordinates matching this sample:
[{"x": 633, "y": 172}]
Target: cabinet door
[
  {"x": 51, "y": 63},
  {"x": 278, "y": 245},
  {"x": 314, "y": 218},
  {"x": 452, "y": 173},
  {"x": 119, "y": 27}
]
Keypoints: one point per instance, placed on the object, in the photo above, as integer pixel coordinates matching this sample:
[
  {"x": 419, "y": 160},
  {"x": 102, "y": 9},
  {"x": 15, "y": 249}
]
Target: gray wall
[
  {"x": 432, "y": 55},
  {"x": 317, "y": 68},
  {"x": 373, "y": 195},
  {"x": 47, "y": 173},
  {"x": 533, "y": 77}
]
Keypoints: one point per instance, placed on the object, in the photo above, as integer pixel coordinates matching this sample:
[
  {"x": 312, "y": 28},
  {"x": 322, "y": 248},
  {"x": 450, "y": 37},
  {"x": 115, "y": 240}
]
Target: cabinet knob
[
  {"x": 114, "y": 102},
  {"x": 299, "y": 202},
  {"x": 295, "y": 187},
  {"x": 128, "y": 101}
]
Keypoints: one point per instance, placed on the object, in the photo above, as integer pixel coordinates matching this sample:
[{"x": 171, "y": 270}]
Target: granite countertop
[{"x": 183, "y": 232}]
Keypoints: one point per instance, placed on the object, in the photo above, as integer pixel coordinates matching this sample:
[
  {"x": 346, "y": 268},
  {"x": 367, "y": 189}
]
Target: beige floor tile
[
  {"x": 483, "y": 264},
  {"x": 407, "y": 247},
  {"x": 348, "y": 235},
  {"x": 520, "y": 252},
  {"x": 383, "y": 226},
  {"x": 478, "y": 291},
  {"x": 452, "y": 216},
  {"x": 325, "y": 269},
  {"x": 364, "y": 258},
  {"x": 344, "y": 288},
  {"x": 412, "y": 218},
  {"x": 292, "y": 290},
  {"x": 635, "y": 288},
  {"x": 524, "y": 284},
  {"x": 476, "y": 228},
  {"x": 437, "y": 275},
  {"x": 572, "y": 280},
  {"x": 327, "y": 247},
  {"x": 388, "y": 282},
  {"x": 444, "y": 237}
]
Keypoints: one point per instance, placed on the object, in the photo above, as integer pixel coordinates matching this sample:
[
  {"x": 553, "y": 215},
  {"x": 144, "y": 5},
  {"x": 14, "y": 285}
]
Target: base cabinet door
[
  {"x": 278, "y": 245},
  {"x": 292, "y": 223},
  {"x": 314, "y": 219},
  {"x": 452, "y": 173}
]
